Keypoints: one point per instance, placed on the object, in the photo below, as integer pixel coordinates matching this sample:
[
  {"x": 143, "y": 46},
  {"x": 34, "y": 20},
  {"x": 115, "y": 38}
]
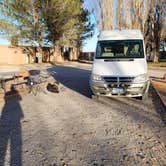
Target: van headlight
[
  {"x": 96, "y": 77},
  {"x": 141, "y": 78}
]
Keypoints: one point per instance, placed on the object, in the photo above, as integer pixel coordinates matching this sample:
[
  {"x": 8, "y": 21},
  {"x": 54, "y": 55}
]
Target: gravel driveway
[{"x": 71, "y": 129}]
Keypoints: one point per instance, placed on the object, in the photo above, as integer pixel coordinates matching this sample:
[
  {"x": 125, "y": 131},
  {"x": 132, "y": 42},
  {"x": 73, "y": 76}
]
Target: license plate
[{"x": 117, "y": 90}]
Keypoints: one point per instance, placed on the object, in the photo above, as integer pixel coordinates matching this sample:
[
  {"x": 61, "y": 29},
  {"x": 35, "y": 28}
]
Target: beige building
[
  {"x": 23, "y": 55},
  {"x": 13, "y": 55}
]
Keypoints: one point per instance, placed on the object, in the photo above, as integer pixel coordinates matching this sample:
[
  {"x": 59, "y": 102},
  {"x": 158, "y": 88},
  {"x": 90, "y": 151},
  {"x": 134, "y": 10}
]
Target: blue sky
[
  {"x": 3, "y": 41},
  {"x": 90, "y": 44}
]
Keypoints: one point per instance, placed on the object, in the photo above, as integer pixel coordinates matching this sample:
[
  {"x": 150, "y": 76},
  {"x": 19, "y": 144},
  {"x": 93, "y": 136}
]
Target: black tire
[{"x": 95, "y": 97}]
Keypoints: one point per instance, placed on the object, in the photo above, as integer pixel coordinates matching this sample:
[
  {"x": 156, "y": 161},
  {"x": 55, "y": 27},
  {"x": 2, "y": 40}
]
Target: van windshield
[{"x": 120, "y": 49}]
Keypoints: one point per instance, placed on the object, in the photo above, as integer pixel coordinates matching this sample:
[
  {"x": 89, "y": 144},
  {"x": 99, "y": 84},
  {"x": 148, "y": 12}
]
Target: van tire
[{"x": 94, "y": 97}]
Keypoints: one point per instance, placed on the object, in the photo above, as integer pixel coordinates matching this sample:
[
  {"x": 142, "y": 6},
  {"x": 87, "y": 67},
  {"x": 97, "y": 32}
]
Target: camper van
[{"x": 120, "y": 66}]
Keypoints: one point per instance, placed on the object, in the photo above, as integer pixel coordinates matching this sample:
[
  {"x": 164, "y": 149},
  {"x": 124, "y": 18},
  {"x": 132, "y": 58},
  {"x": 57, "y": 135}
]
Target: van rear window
[{"x": 120, "y": 49}]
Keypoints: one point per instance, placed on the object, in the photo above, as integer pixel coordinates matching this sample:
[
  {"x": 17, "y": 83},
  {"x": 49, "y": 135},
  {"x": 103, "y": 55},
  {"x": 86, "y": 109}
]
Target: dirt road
[{"x": 71, "y": 129}]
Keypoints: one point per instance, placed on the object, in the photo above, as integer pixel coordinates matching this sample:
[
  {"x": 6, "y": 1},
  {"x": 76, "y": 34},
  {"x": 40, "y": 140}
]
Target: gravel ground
[
  {"x": 71, "y": 129},
  {"x": 154, "y": 72}
]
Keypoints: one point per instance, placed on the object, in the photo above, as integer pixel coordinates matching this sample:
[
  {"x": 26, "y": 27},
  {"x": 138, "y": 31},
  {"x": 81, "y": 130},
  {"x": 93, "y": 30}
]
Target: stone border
[{"x": 158, "y": 94}]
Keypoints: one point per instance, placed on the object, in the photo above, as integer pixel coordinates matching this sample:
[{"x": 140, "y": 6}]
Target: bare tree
[
  {"x": 128, "y": 20},
  {"x": 155, "y": 26},
  {"x": 107, "y": 14},
  {"x": 146, "y": 15},
  {"x": 120, "y": 14}
]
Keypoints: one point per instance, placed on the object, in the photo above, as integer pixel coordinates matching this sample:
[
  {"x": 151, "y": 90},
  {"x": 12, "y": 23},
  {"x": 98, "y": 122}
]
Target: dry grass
[{"x": 159, "y": 64}]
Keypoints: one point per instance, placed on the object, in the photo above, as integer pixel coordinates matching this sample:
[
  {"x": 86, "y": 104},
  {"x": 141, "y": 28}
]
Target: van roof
[{"x": 120, "y": 35}]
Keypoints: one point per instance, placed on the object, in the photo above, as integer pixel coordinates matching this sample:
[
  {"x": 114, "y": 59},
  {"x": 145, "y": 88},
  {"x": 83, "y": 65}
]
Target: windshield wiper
[{"x": 126, "y": 59}]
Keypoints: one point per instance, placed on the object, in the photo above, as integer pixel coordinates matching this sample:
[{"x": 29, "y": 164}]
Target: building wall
[
  {"x": 87, "y": 56},
  {"x": 12, "y": 55}
]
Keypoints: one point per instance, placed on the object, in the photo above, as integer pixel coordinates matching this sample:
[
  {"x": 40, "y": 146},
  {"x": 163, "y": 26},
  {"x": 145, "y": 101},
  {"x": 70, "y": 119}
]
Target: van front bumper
[{"x": 102, "y": 88}]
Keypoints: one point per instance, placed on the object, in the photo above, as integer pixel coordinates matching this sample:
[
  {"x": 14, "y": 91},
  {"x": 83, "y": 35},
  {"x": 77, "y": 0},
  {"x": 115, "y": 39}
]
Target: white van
[{"x": 120, "y": 66}]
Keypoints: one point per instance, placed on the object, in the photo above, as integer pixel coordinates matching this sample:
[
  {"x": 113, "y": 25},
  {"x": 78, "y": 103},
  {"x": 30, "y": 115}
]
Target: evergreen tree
[
  {"x": 44, "y": 22},
  {"x": 73, "y": 26}
]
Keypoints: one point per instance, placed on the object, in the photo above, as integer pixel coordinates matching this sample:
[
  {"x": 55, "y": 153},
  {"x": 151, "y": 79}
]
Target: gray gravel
[{"x": 71, "y": 129}]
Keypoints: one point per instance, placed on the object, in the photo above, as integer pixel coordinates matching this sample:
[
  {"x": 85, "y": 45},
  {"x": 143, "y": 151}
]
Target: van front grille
[{"x": 118, "y": 80}]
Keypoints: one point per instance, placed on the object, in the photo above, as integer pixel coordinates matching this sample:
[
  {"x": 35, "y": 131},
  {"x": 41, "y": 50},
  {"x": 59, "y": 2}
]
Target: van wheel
[{"x": 95, "y": 97}]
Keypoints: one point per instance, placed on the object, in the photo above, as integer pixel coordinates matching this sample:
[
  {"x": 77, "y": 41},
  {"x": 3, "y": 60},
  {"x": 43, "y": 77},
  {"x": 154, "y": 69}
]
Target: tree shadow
[
  {"x": 73, "y": 78},
  {"x": 10, "y": 130}
]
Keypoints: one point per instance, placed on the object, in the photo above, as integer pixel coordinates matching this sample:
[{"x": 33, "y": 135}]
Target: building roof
[{"x": 120, "y": 35}]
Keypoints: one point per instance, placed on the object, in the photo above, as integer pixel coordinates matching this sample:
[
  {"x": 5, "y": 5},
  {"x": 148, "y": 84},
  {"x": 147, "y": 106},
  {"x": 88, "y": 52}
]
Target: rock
[
  {"x": 53, "y": 88},
  {"x": 74, "y": 134},
  {"x": 125, "y": 156},
  {"x": 26, "y": 151},
  {"x": 54, "y": 164},
  {"x": 95, "y": 164},
  {"x": 141, "y": 155},
  {"x": 25, "y": 121}
]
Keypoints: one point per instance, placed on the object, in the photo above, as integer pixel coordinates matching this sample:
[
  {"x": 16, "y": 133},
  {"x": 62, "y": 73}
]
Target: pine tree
[{"x": 44, "y": 22}]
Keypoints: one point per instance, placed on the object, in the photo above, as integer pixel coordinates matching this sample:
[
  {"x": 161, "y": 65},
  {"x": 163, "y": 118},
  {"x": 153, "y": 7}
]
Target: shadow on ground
[
  {"x": 73, "y": 78},
  {"x": 10, "y": 131}
]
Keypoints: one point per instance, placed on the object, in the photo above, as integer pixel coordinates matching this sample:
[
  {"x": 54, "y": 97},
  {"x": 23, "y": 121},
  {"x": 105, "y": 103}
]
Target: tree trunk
[
  {"x": 156, "y": 56},
  {"x": 58, "y": 54},
  {"x": 76, "y": 53},
  {"x": 40, "y": 50},
  {"x": 71, "y": 53}
]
